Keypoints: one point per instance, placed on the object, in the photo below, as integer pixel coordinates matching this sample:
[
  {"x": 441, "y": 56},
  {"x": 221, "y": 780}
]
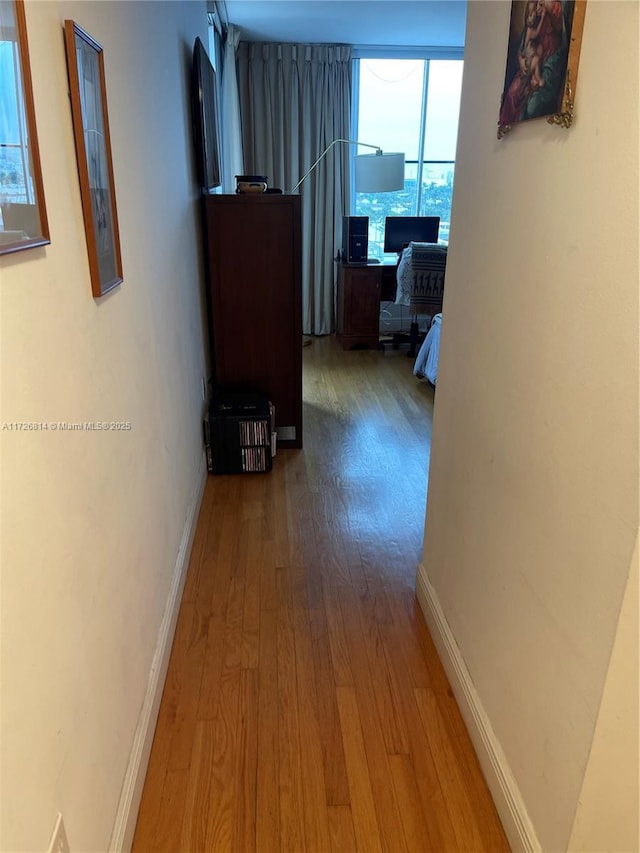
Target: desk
[{"x": 361, "y": 289}]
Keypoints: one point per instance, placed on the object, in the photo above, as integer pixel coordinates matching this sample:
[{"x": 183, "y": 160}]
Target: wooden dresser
[{"x": 254, "y": 280}]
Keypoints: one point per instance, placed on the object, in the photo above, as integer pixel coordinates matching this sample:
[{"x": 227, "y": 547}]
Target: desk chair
[{"x": 420, "y": 285}]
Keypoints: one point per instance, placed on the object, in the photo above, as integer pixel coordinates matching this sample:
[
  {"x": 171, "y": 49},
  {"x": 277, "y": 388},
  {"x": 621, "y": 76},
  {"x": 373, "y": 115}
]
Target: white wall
[
  {"x": 533, "y": 493},
  {"x": 92, "y": 522},
  {"x": 607, "y": 814}
]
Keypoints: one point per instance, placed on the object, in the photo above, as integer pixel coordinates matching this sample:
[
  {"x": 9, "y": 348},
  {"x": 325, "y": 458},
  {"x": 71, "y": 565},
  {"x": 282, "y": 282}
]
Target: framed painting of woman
[{"x": 542, "y": 62}]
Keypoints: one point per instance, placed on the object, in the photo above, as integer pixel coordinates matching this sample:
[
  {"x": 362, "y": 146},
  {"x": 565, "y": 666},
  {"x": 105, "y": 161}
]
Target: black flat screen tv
[
  {"x": 399, "y": 231},
  {"x": 205, "y": 119}
]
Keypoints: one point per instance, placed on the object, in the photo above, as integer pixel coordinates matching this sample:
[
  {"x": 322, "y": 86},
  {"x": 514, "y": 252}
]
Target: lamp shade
[{"x": 379, "y": 173}]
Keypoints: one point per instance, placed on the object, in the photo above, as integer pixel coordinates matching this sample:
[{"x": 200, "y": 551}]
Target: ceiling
[{"x": 402, "y": 23}]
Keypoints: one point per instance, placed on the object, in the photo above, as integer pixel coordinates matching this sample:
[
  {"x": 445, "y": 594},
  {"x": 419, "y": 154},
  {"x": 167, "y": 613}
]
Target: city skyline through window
[{"x": 412, "y": 106}]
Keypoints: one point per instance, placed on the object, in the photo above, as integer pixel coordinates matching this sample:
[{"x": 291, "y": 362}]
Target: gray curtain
[
  {"x": 232, "y": 163},
  {"x": 295, "y": 100}
]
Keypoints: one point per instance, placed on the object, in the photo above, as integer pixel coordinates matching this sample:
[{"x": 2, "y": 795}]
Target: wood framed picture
[
  {"x": 542, "y": 62},
  {"x": 85, "y": 66},
  {"x": 23, "y": 216}
]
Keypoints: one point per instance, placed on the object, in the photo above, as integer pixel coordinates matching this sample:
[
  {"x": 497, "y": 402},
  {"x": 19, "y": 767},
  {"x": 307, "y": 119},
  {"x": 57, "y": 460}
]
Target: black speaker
[{"x": 355, "y": 239}]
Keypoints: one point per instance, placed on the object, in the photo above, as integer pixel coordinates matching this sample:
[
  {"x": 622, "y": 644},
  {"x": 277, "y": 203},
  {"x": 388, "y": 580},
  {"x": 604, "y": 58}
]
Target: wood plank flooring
[{"x": 305, "y": 707}]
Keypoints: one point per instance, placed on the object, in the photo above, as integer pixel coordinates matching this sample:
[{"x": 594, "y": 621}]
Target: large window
[{"x": 409, "y": 105}]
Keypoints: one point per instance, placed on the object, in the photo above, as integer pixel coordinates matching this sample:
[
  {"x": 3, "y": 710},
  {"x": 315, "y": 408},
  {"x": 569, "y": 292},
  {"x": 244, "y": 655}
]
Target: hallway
[{"x": 305, "y": 707}]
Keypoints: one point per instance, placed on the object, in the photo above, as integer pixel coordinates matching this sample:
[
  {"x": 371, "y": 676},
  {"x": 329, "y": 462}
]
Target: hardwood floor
[{"x": 305, "y": 707}]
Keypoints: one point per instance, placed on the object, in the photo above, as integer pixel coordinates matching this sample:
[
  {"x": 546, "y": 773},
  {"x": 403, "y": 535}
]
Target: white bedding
[
  {"x": 403, "y": 277},
  {"x": 426, "y": 363}
]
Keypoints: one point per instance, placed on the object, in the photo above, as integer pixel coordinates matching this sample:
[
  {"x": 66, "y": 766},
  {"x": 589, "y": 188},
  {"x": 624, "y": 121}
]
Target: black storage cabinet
[{"x": 237, "y": 433}]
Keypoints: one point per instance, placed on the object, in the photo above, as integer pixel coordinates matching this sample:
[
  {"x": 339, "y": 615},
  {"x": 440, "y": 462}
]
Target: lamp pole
[{"x": 328, "y": 148}]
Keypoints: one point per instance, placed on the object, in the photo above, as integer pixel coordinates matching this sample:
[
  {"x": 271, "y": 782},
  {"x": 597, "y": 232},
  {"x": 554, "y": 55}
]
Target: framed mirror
[{"x": 23, "y": 217}]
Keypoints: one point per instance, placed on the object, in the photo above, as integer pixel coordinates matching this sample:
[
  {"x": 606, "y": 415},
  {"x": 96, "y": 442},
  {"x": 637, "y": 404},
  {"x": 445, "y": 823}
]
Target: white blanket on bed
[{"x": 426, "y": 363}]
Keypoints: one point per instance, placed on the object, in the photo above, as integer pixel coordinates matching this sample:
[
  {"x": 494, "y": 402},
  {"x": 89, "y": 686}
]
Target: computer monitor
[{"x": 399, "y": 231}]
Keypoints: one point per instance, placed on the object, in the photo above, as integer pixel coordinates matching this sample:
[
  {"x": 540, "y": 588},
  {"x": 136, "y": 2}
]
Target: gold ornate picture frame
[
  {"x": 543, "y": 52},
  {"x": 85, "y": 66},
  {"x": 23, "y": 215}
]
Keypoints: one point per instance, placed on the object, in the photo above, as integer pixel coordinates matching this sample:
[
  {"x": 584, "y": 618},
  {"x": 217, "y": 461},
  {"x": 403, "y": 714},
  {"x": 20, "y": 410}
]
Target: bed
[{"x": 426, "y": 363}]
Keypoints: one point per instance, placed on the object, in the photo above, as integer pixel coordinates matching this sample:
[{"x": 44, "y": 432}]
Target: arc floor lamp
[{"x": 374, "y": 173}]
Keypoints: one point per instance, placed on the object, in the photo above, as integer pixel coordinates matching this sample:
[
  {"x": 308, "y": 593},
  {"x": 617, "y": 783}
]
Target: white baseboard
[
  {"x": 131, "y": 794},
  {"x": 502, "y": 785}
]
